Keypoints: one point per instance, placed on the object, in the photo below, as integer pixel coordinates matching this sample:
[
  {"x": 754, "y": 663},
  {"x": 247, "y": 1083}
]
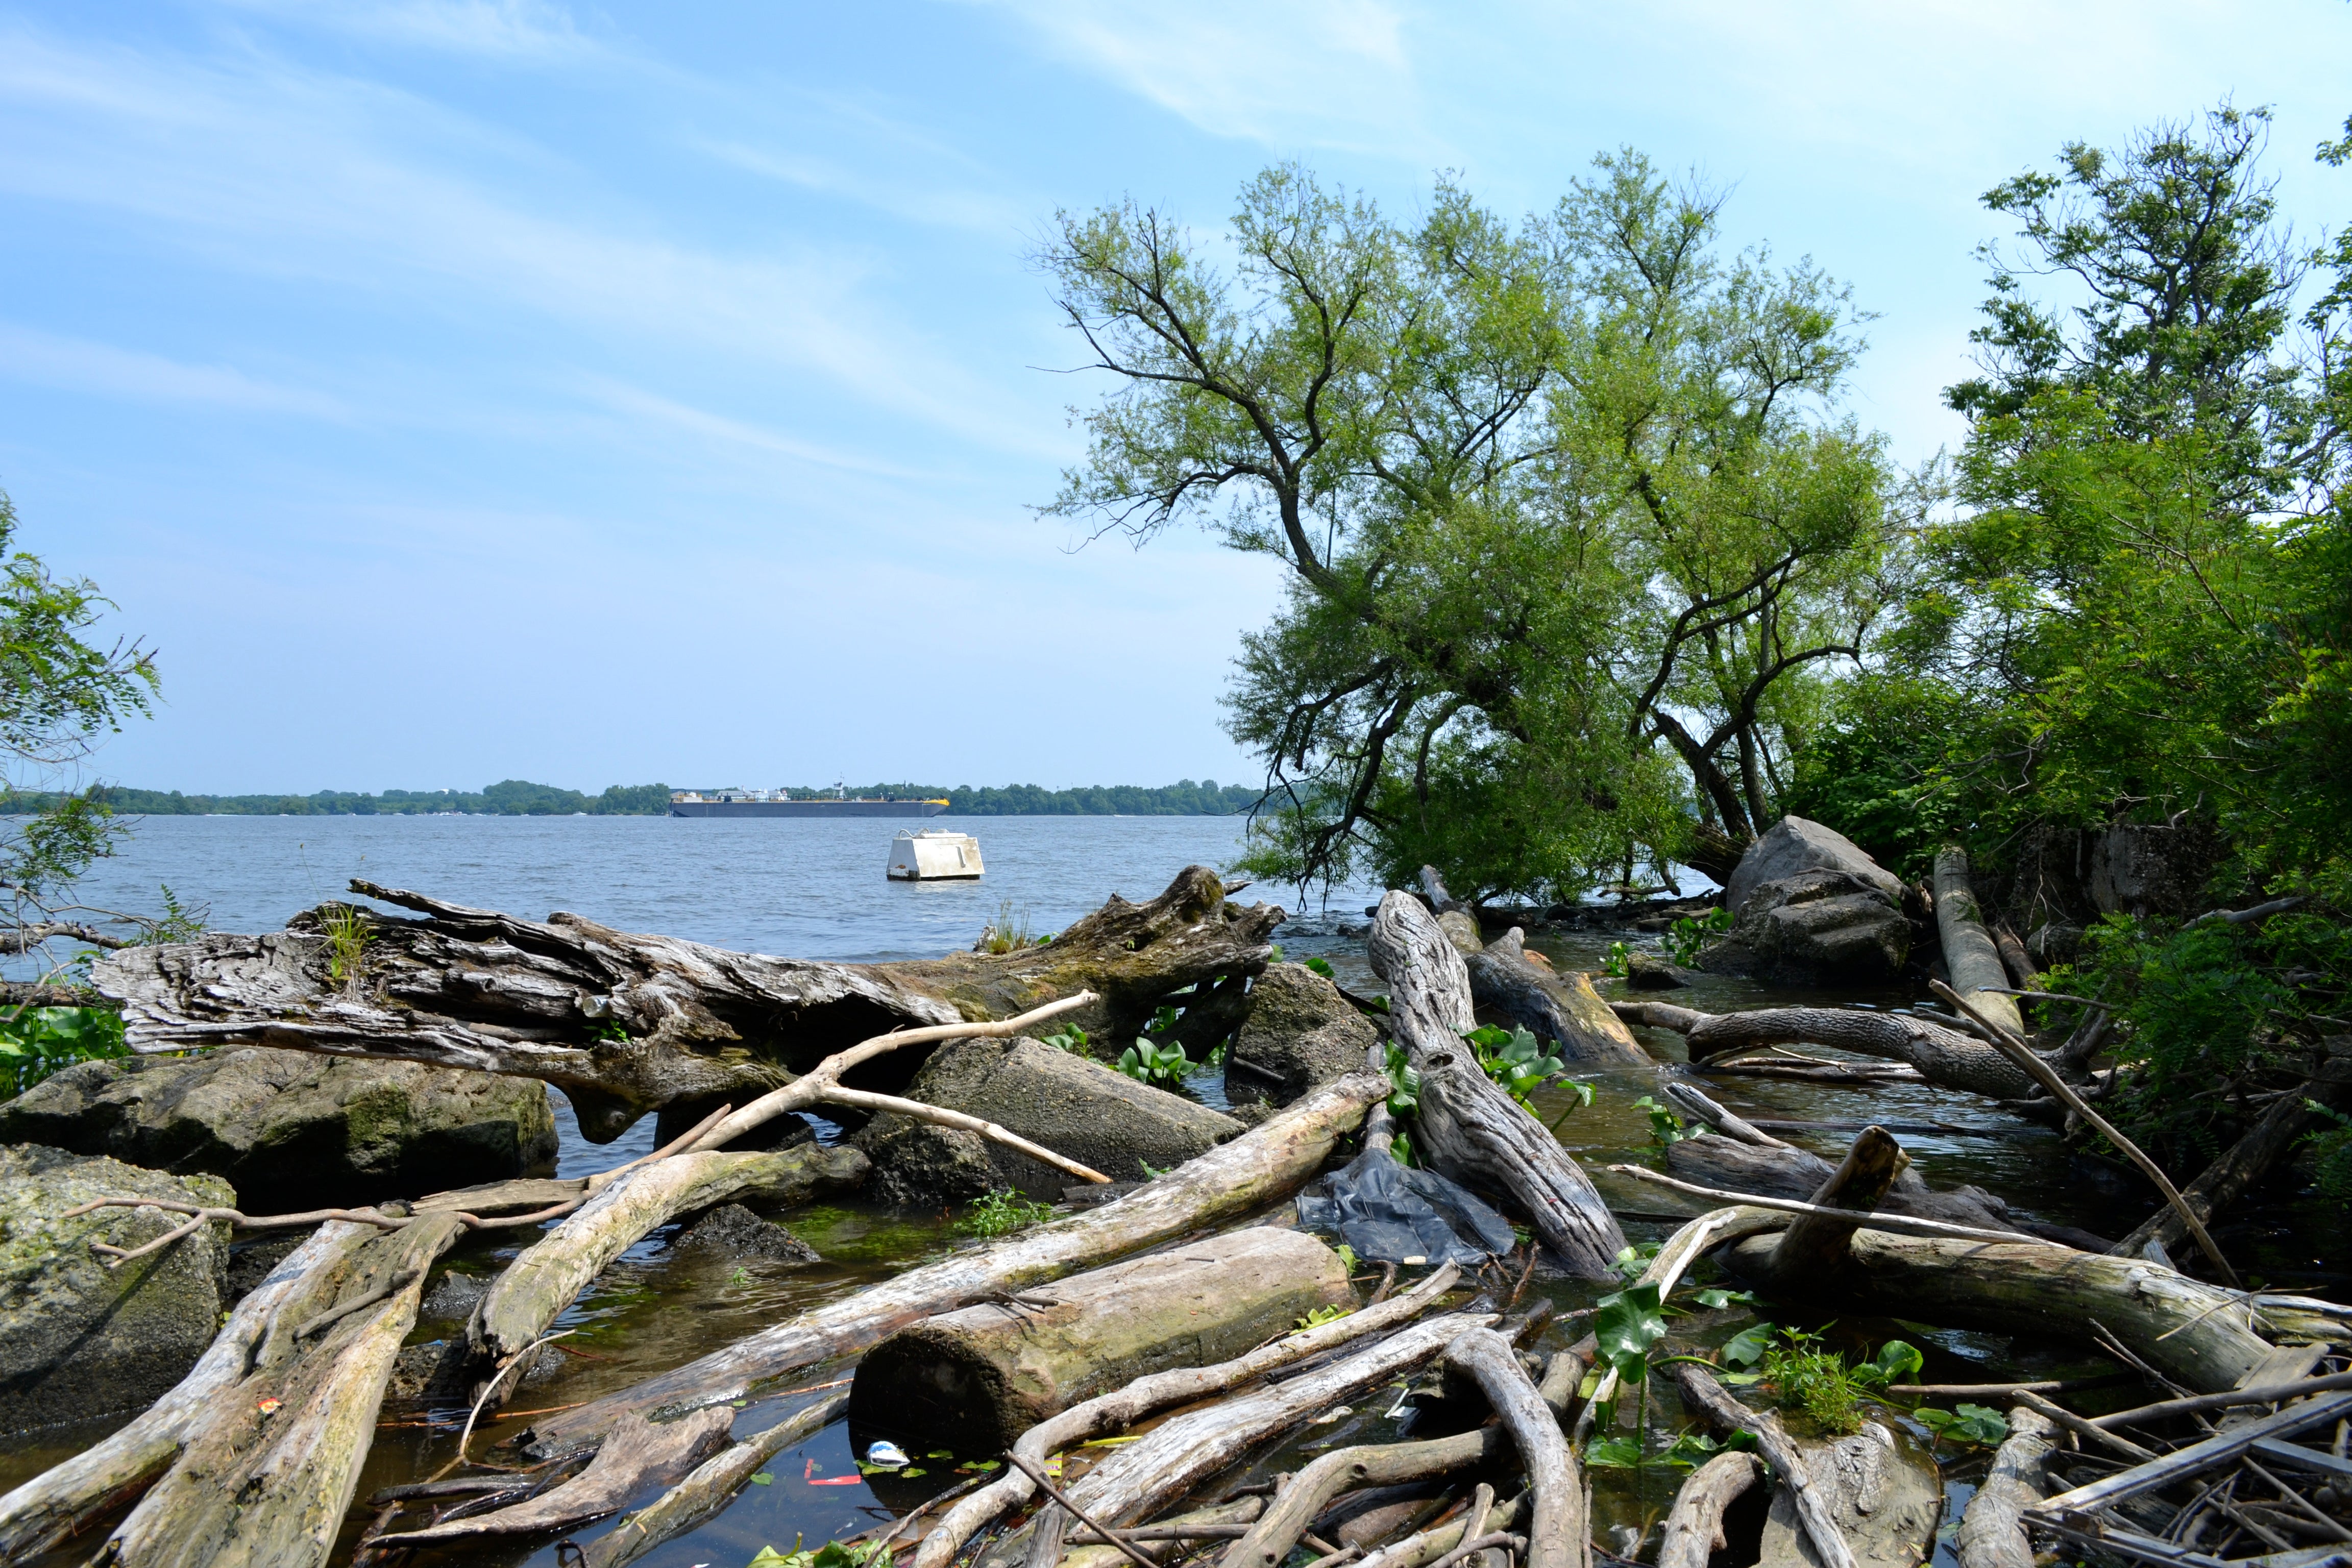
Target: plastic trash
[
  {"x": 887, "y": 1455},
  {"x": 1390, "y": 1214}
]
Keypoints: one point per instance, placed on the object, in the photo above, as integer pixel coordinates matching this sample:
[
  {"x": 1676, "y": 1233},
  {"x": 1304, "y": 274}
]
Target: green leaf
[
  {"x": 1747, "y": 1347},
  {"x": 1627, "y": 1324},
  {"x": 1715, "y": 1298},
  {"x": 764, "y": 1479}
]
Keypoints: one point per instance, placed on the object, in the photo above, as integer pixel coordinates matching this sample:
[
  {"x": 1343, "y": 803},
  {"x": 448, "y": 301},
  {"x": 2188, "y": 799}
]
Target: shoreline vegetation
[{"x": 518, "y": 797}]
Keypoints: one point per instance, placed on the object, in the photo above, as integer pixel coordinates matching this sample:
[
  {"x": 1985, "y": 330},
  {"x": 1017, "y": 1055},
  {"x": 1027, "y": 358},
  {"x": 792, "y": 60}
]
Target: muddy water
[{"x": 655, "y": 1308}]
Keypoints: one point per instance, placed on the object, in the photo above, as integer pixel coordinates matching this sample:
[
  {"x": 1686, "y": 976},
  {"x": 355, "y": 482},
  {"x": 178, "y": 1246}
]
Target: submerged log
[
  {"x": 1992, "y": 1531},
  {"x": 1561, "y": 1008},
  {"x": 1469, "y": 1129},
  {"x": 623, "y": 1023},
  {"x": 1264, "y": 1165},
  {"x": 974, "y": 1380},
  {"x": 639, "y": 1454},
  {"x": 2184, "y": 1328},
  {"x": 1942, "y": 1056}
]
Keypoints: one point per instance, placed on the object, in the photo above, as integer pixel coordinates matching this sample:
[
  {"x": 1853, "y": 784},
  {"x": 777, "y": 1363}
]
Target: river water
[{"x": 815, "y": 889}]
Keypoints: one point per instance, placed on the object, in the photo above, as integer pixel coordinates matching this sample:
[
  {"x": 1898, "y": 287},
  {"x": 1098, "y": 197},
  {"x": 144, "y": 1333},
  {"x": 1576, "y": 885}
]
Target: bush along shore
[
  {"x": 1459, "y": 1252},
  {"x": 518, "y": 797}
]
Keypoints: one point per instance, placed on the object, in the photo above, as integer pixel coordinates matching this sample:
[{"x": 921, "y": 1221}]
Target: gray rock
[
  {"x": 1300, "y": 1033},
  {"x": 1794, "y": 845},
  {"x": 735, "y": 1231},
  {"x": 1073, "y": 1106},
  {"x": 291, "y": 1130},
  {"x": 1816, "y": 928},
  {"x": 1648, "y": 972},
  {"x": 77, "y": 1339},
  {"x": 1882, "y": 1489},
  {"x": 453, "y": 1298}
]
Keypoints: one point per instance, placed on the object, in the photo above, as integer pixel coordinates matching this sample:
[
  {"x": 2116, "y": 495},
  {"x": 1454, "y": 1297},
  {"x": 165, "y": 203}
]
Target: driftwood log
[
  {"x": 1941, "y": 1056},
  {"x": 1694, "y": 1530},
  {"x": 1264, "y": 1165},
  {"x": 700, "y": 1497},
  {"x": 1815, "y": 1510},
  {"x": 1557, "y": 1530},
  {"x": 626, "y": 1024},
  {"x": 974, "y": 1380},
  {"x": 639, "y": 1454},
  {"x": 1992, "y": 1531},
  {"x": 1970, "y": 955},
  {"x": 1468, "y": 1128}
]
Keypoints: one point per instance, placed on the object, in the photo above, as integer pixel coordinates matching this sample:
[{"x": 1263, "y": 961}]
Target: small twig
[
  {"x": 391, "y": 1287},
  {"x": 1525, "y": 1275},
  {"x": 2075, "y": 1424},
  {"x": 1044, "y": 1484},
  {"x": 1388, "y": 1283},
  {"x": 520, "y": 1358},
  {"x": 1874, "y": 1219}
]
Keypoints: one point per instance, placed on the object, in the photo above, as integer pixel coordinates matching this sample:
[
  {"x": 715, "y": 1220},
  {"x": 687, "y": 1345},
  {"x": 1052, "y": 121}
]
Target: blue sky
[{"x": 456, "y": 389}]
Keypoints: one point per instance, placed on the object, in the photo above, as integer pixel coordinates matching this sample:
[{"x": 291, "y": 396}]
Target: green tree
[
  {"x": 1567, "y": 528},
  {"x": 60, "y": 694}
]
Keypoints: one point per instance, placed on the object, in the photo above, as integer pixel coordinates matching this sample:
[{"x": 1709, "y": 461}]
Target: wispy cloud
[
  {"x": 74, "y": 365},
  {"x": 638, "y": 404},
  {"x": 500, "y": 29},
  {"x": 946, "y": 206},
  {"x": 1322, "y": 73}
]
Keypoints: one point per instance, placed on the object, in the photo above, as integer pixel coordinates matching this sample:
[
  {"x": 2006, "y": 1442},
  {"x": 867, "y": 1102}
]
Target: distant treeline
[{"x": 518, "y": 797}]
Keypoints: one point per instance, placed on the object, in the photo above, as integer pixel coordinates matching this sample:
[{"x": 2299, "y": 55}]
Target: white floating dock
[{"x": 934, "y": 854}]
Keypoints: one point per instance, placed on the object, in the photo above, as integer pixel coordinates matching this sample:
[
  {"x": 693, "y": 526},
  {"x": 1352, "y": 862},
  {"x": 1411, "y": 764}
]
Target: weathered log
[
  {"x": 1436, "y": 1544},
  {"x": 1469, "y": 1129},
  {"x": 1941, "y": 1056},
  {"x": 1694, "y": 1530},
  {"x": 1969, "y": 955},
  {"x": 974, "y": 1380},
  {"x": 269, "y": 1479},
  {"x": 1116, "y": 1410},
  {"x": 1561, "y": 1008},
  {"x": 1883, "y": 1499},
  {"x": 638, "y": 1453},
  {"x": 1701, "y": 1107},
  {"x": 1241, "y": 1511},
  {"x": 474, "y": 988},
  {"x": 1269, "y": 1541},
  {"x": 2273, "y": 1138},
  {"x": 550, "y": 1274},
  {"x": 1816, "y": 1510},
  {"x": 1262, "y": 1165},
  {"x": 1816, "y": 1243},
  {"x": 2179, "y": 1325},
  {"x": 1556, "y": 1526},
  {"x": 700, "y": 1497},
  {"x": 66, "y": 1498},
  {"x": 1992, "y": 1531}
]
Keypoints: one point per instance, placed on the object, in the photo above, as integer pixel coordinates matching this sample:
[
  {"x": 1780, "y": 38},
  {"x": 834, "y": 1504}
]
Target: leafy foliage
[
  {"x": 1516, "y": 1061},
  {"x": 1688, "y": 934},
  {"x": 1163, "y": 1065},
  {"x": 35, "y": 1042},
  {"x": 832, "y": 1554},
  {"x": 2331, "y": 1151},
  {"x": 1665, "y": 1127},
  {"x": 1405, "y": 1081},
  {"x": 1322, "y": 1315},
  {"x": 1069, "y": 1037},
  {"x": 1003, "y": 1212},
  {"x": 1975, "y": 1425}
]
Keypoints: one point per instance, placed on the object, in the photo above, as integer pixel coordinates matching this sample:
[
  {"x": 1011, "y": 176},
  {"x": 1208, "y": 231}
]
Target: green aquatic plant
[
  {"x": 1686, "y": 936},
  {"x": 1974, "y": 1425},
  {"x": 1322, "y": 967},
  {"x": 1405, "y": 1081},
  {"x": 2331, "y": 1151},
  {"x": 1162, "y": 1065},
  {"x": 1003, "y": 1212},
  {"x": 1322, "y": 1315},
  {"x": 348, "y": 937},
  {"x": 1619, "y": 960},
  {"x": 1007, "y": 932},
  {"x": 1665, "y": 1127},
  {"x": 1516, "y": 1061},
  {"x": 1070, "y": 1038},
  {"x": 35, "y": 1042},
  {"x": 1809, "y": 1376}
]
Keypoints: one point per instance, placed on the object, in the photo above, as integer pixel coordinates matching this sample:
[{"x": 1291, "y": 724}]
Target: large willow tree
[{"x": 1573, "y": 533}]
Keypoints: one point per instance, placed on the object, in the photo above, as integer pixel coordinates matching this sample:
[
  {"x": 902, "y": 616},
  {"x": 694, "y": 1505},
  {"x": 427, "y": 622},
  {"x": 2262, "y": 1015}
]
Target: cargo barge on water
[{"x": 782, "y": 802}]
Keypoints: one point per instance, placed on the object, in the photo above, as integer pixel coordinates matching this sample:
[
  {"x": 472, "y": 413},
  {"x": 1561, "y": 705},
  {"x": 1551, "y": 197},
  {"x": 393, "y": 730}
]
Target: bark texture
[
  {"x": 1257, "y": 1168},
  {"x": 1470, "y": 1129},
  {"x": 1992, "y": 1532},
  {"x": 1562, "y": 1008},
  {"x": 625, "y": 1022},
  {"x": 1556, "y": 1527},
  {"x": 975, "y": 1379},
  {"x": 1941, "y": 1056},
  {"x": 1970, "y": 954},
  {"x": 1694, "y": 1530}
]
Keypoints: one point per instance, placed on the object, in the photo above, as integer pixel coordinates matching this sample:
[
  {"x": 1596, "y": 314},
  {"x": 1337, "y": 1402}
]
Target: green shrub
[
  {"x": 35, "y": 1042},
  {"x": 1162, "y": 1065}
]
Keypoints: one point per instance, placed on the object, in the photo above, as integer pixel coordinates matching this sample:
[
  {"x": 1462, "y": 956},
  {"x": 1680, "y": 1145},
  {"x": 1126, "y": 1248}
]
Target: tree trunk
[
  {"x": 1468, "y": 1128},
  {"x": 1694, "y": 1530},
  {"x": 1992, "y": 1533},
  {"x": 975, "y": 1379},
  {"x": 540, "y": 1283},
  {"x": 1942, "y": 1056},
  {"x": 1815, "y": 1243},
  {"x": 626, "y": 1024},
  {"x": 1264, "y": 1165},
  {"x": 1969, "y": 955},
  {"x": 1817, "y": 1511},
  {"x": 1562, "y": 1008},
  {"x": 2181, "y": 1327}
]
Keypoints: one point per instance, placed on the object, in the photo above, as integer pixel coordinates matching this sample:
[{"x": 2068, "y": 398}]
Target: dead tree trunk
[
  {"x": 1469, "y": 1127},
  {"x": 625, "y": 1024},
  {"x": 1970, "y": 954},
  {"x": 1992, "y": 1532},
  {"x": 1561, "y": 1008},
  {"x": 1942, "y": 1056}
]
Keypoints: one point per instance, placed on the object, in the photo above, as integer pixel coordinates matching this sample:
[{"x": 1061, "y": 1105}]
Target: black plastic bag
[{"x": 1390, "y": 1214}]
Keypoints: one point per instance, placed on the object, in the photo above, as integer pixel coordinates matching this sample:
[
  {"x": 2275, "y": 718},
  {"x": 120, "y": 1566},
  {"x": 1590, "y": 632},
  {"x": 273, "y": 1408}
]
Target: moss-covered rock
[
  {"x": 291, "y": 1130},
  {"x": 1300, "y": 1033},
  {"x": 79, "y": 1339}
]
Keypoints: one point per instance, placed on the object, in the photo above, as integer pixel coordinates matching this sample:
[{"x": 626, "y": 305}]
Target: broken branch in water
[{"x": 1901, "y": 1224}]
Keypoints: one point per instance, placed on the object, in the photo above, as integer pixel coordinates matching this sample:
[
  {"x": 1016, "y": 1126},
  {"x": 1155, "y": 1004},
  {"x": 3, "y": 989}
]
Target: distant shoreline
[{"x": 518, "y": 797}]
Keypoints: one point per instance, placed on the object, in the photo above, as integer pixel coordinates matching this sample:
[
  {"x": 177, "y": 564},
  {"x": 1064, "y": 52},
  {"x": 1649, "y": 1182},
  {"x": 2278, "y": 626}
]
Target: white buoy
[{"x": 934, "y": 854}]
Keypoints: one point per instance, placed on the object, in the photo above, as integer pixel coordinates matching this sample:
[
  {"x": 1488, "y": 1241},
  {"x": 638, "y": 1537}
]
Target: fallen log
[
  {"x": 1440, "y": 1542},
  {"x": 550, "y": 1273},
  {"x": 1941, "y": 1056},
  {"x": 1815, "y": 1243},
  {"x": 1883, "y": 1500},
  {"x": 697, "y": 1024},
  {"x": 1468, "y": 1128},
  {"x": 1992, "y": 1531},
  {"x": 1556, "y": 1531},
  {"x": 975, "y": 1379},
  {"x": 66, "y": 1498},
  {"x": 270, "y": 1477},
  {"x": 1970, "y": 956},
  {"x": 1117, "y": 1411},
  {"x": 1694, "y": 1530},
  {"x": 2181, "y": 1326},
  {"x": 1262, "y": 1165},
  {"x": 700, "y": 1497},
  {"x": 1816, "y": 1511},
  {"x": 2271, "y": 1139},
  {"x": 1236, "y": 1514},
  {"x": 1561, "y": 1008},
  {"x": 638, "y": 1453}
]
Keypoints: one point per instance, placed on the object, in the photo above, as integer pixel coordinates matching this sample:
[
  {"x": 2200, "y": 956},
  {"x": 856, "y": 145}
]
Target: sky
[{"x": 457, "y": 390}]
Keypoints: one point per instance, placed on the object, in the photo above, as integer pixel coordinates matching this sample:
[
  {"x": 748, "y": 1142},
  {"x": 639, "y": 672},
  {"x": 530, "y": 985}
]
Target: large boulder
[
  {"x": 1300, "y": 1033},
  {"x": 1073, "y": 1106},
  {"x": 291, "y": 1130},
  {"x": 1792, "y": 846},
  {"x": 1816, "y": 928},
  {"x": 79, "y": 1339}
]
